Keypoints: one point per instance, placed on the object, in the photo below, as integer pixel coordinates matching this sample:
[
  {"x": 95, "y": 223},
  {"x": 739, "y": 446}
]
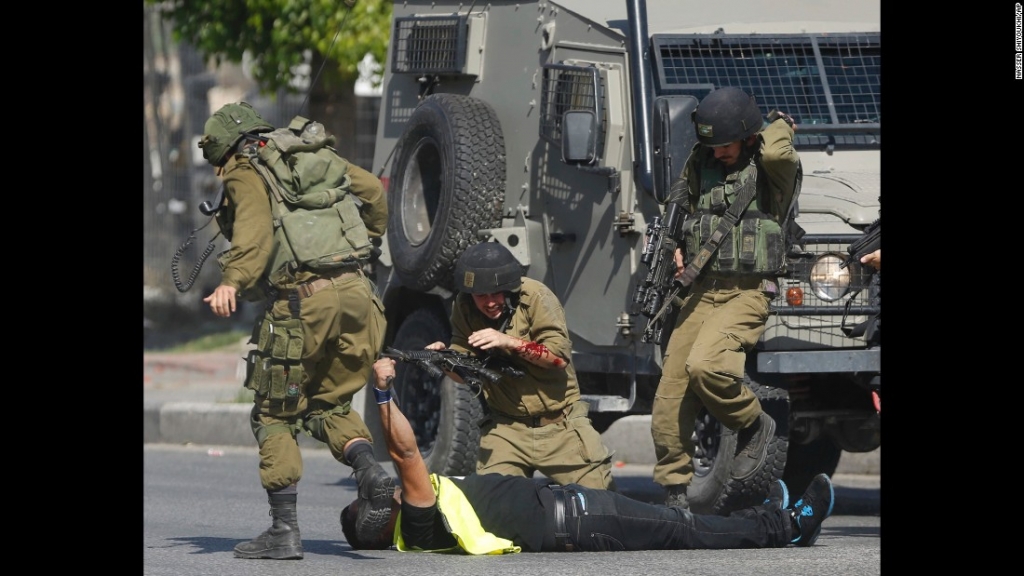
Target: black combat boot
[
  {"x": 376, "y": 488},
  {"x": 371, "y": 478},
  {"x": 752, "y": 446},
  {"x": 282, "y": 540}
]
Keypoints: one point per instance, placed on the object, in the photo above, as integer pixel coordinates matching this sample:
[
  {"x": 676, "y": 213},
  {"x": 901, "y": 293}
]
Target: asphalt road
[{"x": 200, "y": 501}]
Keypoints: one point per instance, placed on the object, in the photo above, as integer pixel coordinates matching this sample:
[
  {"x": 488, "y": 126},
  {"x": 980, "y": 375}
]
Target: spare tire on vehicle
[{"x": 447, "y": 183}]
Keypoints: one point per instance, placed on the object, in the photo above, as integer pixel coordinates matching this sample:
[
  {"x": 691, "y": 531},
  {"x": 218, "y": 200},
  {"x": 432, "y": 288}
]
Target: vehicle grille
[{"x": 819, "y": 323}]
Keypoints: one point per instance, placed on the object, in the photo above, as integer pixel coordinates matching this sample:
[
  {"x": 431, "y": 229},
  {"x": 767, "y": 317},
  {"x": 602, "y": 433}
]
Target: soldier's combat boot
[
  {"x": 376, "y": 488},
  {"x": 282, "y": 540},
  {"x": 752, "y": 446}
]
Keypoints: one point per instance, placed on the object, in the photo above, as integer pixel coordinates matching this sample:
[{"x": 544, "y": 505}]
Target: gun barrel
[
  {"x": 409, "y": 355},
  {"x": 423, "y": 359}
]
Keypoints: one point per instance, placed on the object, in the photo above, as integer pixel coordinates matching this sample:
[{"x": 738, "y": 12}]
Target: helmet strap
[{"x": 511, "y": 303}]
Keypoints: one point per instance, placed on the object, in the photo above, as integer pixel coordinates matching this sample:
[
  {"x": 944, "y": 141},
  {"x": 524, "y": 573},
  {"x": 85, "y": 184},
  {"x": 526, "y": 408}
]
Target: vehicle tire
[
  {"x": 713, "y": 490},
  {"x": 444, "y": 415},
  {"x": 447, "y": 183},
  {"x": 805, "y": 461}
]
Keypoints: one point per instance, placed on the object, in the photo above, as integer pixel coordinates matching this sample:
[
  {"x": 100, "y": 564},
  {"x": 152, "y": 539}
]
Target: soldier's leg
[
  {"x": 280, "y": 472},
  {"x": 346, "y": 325},
  {"x": 717, "y": 359},
  {"x": 716, "y": 367},
  {"x": 505, "y": 449},
  {"x": 675, "y": 407},
  {"x": 572, "y": 451}
]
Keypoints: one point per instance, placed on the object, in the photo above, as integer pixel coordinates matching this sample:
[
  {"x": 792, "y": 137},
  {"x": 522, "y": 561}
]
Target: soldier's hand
[
  {"x": 678, "y": 257},
  {"x": 874, "y": 259},
  {"x": 222, "y": 302},
  {"x": 489, "y": 338},
  {"x": 776, "y": 114},
  {"x": 435, "y": 346}
]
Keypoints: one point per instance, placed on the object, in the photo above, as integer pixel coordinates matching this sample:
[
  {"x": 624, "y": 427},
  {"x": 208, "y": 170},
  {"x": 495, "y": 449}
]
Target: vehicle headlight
[{"x": 828, "y": 281}]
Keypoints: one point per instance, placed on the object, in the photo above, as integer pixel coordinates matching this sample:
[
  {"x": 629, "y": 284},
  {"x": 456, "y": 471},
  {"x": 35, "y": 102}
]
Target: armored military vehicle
[{"x": 556, "y": 129}]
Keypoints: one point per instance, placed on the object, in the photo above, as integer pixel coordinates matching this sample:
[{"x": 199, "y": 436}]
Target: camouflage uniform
[{"x": 516, "y": 439}]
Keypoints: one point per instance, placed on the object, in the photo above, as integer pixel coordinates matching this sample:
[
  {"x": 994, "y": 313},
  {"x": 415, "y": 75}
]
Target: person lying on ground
[{"x": 498, "y": 514}]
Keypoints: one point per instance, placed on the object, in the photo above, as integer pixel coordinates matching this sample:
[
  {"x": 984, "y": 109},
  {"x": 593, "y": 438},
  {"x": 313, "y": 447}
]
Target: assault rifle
[
  {"x": 472, "y": 369},
  {"x": 655, "y": 293}
]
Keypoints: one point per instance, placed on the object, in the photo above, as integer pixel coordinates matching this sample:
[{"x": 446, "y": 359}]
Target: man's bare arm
[{"x": 401, "y": 443}]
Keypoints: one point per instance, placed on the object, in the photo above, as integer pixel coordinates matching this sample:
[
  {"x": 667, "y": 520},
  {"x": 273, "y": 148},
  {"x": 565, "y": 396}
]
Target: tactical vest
[
  {"x": 317, "y": 224},
  {"x": 755, "y": 246},
  {"x": 462, "y": 522}
]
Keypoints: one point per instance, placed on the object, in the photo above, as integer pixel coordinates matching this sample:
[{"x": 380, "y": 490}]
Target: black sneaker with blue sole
[{"x": 812, "y": 509}]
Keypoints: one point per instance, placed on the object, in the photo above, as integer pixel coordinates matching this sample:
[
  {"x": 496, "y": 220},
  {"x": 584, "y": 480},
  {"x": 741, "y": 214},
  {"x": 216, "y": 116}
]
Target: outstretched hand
[{"x": 222, "y": 302}]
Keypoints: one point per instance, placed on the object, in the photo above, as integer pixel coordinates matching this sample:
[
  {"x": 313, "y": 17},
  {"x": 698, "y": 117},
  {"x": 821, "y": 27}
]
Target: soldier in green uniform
[
  {"x": 536, "y": 422},
  {"x": 322, "y": 331},
  {"x": 726, "y": 310}
]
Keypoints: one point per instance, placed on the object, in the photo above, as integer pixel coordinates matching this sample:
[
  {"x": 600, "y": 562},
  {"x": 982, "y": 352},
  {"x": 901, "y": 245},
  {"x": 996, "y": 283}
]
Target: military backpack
[{"x": 317, "y": 223}]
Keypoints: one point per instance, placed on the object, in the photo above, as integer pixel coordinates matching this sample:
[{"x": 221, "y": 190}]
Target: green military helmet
[
  {"x": 487, "y": 268},
  {"x": 226, "y": 127},
  {"x": 726, "y": 115}
]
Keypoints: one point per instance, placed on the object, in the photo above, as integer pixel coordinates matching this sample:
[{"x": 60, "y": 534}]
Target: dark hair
[{"x": 366, "y": 542}]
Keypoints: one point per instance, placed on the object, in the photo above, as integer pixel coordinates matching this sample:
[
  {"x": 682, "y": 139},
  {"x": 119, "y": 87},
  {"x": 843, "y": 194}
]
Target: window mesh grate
[
  {"x": 829, "y": 84},
  {"x": 429, "y": 45},
  {"x": 567, "y": 88}
]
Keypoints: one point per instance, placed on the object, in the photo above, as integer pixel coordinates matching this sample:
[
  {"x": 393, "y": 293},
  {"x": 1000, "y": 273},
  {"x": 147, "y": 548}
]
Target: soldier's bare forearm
[{"x": 536, "y": 353}]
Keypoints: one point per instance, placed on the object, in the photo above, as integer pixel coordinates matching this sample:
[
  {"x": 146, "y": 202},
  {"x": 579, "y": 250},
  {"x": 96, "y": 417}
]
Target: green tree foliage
[{"x": 278, "y": 33}]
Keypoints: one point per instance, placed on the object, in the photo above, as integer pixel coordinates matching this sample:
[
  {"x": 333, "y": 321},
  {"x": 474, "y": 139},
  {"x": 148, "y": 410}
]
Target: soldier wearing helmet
[
  {"x": 536, "y": 423},
  {"x": 727, "y": 306},
  {"x": 320, "y": 333}
]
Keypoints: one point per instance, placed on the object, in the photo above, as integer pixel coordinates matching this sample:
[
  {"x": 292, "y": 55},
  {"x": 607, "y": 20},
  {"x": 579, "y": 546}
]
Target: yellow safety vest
[{"x": 462, "y": 522}]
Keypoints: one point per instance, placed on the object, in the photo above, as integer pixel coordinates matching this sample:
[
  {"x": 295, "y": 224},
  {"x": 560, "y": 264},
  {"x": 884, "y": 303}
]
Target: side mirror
[
  {"x": 672, "y": 139},
  {"x": 579, "y": 137}
]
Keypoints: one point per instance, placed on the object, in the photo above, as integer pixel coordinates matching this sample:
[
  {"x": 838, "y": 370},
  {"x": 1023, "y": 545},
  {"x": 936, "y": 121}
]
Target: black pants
[{"x": 602, "y": 520}]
